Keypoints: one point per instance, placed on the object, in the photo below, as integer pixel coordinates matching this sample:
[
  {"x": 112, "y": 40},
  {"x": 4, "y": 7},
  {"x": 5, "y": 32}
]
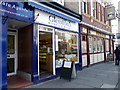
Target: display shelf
[{"x": 43, "y": 54}]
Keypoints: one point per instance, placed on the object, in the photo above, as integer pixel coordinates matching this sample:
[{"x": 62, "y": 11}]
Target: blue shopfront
[
  {"x": 16, "y": 44},
  {"x": 35, "y": 38},
  {"x": 57, "y": 38}
]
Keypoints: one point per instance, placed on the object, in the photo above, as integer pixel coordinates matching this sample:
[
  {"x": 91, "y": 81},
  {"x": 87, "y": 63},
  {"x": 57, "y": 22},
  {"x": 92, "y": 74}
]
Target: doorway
[
  {"x": 19, "y": 52},
  {"x": 45, "y": 54},
  {"x": 12, "y": 54}
]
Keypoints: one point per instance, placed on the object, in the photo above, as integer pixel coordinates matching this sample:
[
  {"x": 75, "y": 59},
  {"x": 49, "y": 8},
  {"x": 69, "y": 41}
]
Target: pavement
[{"x": 104, "y": 75}]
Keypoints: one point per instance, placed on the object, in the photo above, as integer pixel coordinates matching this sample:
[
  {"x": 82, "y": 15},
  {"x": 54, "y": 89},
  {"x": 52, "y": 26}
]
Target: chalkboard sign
[{"x": 68, "y": 70}]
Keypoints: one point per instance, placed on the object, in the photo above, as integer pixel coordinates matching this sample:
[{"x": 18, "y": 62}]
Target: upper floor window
[
  {"x": 103, "y": 17},
  {"x": 84, "y": 6},
  {"x": 99, "y": 13},
  {"x": 94, "y": 9}
]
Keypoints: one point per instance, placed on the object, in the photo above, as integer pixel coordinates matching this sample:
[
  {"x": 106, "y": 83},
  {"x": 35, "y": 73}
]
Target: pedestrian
[{"x": 117, "y": 54}]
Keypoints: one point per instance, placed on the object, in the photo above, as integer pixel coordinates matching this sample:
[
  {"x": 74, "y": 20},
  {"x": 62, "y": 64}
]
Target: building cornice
[{"x": 97, "y": 29}]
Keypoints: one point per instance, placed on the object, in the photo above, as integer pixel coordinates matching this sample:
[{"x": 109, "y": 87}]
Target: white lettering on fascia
[
  {"x": 13, "y": 13},
  {"x": 13, "y": 6}
]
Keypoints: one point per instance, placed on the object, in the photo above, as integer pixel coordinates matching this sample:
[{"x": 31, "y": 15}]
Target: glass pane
[
  {"x": 66, "y": 46},
  {"x": 107, "y": 45},
  {"x": 91, "y": 44},
  {"x": 10, "y": 65},
  {"x": 45, "y": 28},
  {"x": 11, "y": 44}
]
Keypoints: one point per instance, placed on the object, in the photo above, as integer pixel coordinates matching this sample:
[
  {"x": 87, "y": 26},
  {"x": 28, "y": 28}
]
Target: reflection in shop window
[
  {"x": 94, "y": 44},
  {"x": 107, "y": 45},
  {"x": 66, "y": 46},
  {"x": 91, "y": 44},
  {"x": 111, "y": 46},
  {"x": 100, "y": 45},
  {"x": 84, "y": 48}
]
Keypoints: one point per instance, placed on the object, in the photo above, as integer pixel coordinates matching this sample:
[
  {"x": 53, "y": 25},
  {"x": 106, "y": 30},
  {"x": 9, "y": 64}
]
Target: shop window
[
  {"x": 111, "y": 46},
  {"x": 66, "y": 46},
  {"x": 44, "y": 28},
  {"x": 83, "y": 38},
  {"x": 100, "y": 45},
  {"x": 94, "y": 44},
  {"x": 107, "y": 45},
  {"x": 91, "y": 44},
  {"x": 84, "y": 48}
]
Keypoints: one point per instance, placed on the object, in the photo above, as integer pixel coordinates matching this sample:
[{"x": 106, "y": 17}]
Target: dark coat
[{"x": 117, "y": 54}]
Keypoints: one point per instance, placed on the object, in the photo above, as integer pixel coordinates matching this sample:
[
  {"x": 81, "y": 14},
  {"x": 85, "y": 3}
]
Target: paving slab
[
  {"x": 108, "y": 86},
  {"x": 104, "y": 75}
]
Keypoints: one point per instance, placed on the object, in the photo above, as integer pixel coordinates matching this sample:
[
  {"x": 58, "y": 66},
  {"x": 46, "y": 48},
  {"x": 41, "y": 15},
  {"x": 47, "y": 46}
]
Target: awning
[{"x": 52, "y": 11}]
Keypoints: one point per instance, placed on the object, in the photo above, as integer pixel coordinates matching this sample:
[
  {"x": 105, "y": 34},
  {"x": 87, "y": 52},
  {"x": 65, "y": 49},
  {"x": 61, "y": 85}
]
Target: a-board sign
[
  {"x": 68, "y": 70},
  {"x": 67, "y": 64}
]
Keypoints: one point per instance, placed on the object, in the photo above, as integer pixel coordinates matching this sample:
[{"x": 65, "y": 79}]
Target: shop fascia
[
  {"x": 12, "y": 6},
  {"x": 55, "y": 21}
]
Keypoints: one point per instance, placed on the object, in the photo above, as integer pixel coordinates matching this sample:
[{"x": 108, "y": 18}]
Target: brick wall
[{"x": 99, "y": 21}]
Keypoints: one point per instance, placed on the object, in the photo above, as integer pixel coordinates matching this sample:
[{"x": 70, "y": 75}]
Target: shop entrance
[
  {"x": 45, "y": 54},
  {"x": 19, "y": 53},
  {"x": 11, "y": 54}
]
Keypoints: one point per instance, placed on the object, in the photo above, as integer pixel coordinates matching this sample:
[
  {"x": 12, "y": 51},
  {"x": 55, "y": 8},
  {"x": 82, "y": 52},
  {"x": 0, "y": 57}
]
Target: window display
[
  {"x": 66, "y": 46},
  {"x": 107, "y": 45},
  {"x": 111, "y": 46},
  {"x": 96, "y": 44},
  {"x": 84, "y": 42},
  {"x": 100, "y": 45},
  {"x": 90, "y": 44}
]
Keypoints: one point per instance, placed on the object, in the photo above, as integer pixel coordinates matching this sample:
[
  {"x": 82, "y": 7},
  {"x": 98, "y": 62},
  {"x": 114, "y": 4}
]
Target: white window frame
[{"x": 15, "y": 56}]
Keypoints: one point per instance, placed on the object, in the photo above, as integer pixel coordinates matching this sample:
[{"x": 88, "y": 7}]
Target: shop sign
[
  {"x": 118, "y": 35},
  {"x": 52, "y": 20},
  {"x": 110, "y": 12},
  {"x": 17, "y": 10}
]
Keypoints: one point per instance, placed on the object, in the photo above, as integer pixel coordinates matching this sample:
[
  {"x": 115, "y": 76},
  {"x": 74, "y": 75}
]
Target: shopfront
[
  {"x": 98, "y": 46},
  {"x": 16, "y": 44},
  {"x": 57, "y": 40}
]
